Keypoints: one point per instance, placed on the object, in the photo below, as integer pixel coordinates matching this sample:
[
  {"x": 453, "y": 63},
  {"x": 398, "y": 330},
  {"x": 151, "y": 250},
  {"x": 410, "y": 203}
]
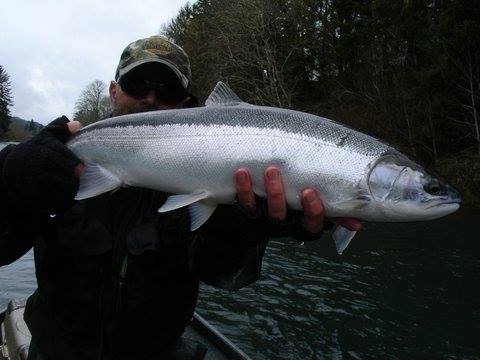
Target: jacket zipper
[
  {"x": 121, "y": 281},
  {"x": 100, "y": 314}
]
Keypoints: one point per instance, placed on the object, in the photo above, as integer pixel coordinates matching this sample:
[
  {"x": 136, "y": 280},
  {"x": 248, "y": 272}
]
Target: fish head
[{"x": 406, "y": 192}]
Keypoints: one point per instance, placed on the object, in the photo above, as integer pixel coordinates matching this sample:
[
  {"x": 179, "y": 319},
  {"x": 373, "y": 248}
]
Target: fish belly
[{"x": 182, "y": 159}]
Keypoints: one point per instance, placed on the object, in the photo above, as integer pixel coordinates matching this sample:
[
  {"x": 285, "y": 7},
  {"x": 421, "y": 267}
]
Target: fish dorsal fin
[{"x": 222, "y": 95}]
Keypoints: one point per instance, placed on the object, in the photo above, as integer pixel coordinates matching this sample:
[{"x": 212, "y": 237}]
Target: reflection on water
[
  {"x": 17, "y": 280},
  {"x": 399, "y": 291}
]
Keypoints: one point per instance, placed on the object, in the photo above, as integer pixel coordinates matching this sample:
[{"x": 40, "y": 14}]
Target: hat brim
[{"x": 183, "y": 79}]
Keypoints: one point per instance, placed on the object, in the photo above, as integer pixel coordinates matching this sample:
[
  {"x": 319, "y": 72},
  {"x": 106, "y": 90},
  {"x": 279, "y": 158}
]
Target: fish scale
[{"x": 205, "y": 154}]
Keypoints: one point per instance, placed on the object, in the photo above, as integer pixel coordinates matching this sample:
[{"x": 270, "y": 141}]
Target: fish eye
[{"x": 433, "y": 187}]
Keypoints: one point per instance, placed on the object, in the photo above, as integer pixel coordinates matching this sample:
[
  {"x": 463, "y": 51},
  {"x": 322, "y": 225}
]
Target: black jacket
[{"x": 117, "y": 279}]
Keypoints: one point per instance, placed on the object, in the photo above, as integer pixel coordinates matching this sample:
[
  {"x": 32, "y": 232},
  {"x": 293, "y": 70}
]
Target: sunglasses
[{"x": 139, "y": 88}]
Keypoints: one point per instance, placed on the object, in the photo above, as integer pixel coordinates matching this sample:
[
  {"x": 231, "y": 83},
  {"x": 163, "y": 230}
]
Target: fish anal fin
[
  {"x": 178, "y": 201},
  {"x": 200, "y": 212}
]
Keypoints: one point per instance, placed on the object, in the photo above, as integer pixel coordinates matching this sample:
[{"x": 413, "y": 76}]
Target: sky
[{"x": 53, "y": 49}]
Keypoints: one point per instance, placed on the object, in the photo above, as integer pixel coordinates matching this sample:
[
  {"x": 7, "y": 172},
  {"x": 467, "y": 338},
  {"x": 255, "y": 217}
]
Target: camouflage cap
[{"x": 155, "y": 49}]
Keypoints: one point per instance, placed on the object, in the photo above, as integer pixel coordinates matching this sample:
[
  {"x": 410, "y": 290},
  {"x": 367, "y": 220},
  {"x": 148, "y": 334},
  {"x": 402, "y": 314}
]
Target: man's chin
[{"x": 119, "y": 112}]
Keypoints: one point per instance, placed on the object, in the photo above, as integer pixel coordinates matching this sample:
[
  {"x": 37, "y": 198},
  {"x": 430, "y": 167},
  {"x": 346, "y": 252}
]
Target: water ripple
[{"x": 400, "y": 291}]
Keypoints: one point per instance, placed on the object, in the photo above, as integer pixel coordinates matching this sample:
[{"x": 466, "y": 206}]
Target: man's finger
[
  {"x": 78, "y": 170},
  {"x": 74, "y": 126},
  {"x": 313, "y": 211},
  {"x": 349, "y": 223},
  {"x": 243, "y": 185},
  {"x": 277, "y": 207}
]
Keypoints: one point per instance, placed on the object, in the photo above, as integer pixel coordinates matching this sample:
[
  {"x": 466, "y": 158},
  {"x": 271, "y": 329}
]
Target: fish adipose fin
[
  {"x": 342, "y": 238},
  {"x": 96, "y": 180},
  {"x": 200, "y": 212},
  {"x": 178, "y": 201},
  {"x": 222, "y": 95}
]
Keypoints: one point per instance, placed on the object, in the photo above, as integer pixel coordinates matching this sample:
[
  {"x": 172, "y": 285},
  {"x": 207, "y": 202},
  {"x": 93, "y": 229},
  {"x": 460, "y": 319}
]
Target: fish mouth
[{"x": 438, "y": 203}]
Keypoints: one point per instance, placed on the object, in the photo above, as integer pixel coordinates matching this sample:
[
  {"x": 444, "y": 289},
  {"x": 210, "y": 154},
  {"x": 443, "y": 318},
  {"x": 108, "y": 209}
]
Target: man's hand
[
  {"x": 41, "y": 175},
  {"x": 313, "y": 210},
  {"x": 73, "y": 127}
]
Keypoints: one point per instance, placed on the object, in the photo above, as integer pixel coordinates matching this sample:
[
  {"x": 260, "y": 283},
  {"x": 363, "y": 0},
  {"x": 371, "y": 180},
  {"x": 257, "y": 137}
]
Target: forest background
[{"x": 407, "y": 72}]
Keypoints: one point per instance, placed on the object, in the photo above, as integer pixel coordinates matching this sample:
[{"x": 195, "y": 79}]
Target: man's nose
[{"x": 150, "y": 98}]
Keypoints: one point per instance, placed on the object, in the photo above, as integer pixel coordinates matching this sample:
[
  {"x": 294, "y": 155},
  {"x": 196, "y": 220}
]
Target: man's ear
[{"x": 112, "y": 90}]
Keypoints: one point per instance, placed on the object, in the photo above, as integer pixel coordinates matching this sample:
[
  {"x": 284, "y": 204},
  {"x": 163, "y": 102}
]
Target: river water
[{"x": 408, "y": 290}]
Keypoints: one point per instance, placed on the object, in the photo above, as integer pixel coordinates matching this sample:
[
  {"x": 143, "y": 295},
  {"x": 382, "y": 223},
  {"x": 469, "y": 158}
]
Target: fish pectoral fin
[
  {"x": 347, "y": 206},
  {"x": 222, "y": 95},
  {"x": 200, "y": 212},
  {"x": 342, "y": 237},
  {"x": 178, "y": 201},
  {"x": 96, "y": 180}
]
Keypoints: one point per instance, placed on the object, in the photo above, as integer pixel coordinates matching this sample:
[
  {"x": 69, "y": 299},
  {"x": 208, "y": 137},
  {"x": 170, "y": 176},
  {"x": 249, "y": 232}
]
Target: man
[{"x": 116, "y": 279}]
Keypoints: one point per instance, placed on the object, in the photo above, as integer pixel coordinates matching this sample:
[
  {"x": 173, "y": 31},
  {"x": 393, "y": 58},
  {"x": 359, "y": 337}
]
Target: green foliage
[
  {"x": 6, "y": 101},
  {"x": 30, "y": 126}
]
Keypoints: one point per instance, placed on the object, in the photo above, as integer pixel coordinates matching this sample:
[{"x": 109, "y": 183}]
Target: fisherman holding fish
[{"x": 116, "y": 278}]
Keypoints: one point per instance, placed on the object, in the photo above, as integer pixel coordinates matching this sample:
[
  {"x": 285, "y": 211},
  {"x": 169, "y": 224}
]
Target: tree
[
  {"x": 405, "y": 71},
  {"x": 93, "y": 103},
  {"x": 31, "y": 126},
  {"x": 5, "y": 100},
  {"x": 399, "y": 70},
  {"x": 461, "y": 39}
]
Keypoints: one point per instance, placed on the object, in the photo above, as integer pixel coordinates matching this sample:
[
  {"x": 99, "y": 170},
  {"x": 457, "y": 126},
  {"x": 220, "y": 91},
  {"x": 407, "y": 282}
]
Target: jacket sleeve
[
  {"x": 15, "y": 231},
  {"x": 15, "y": 239},
  {"x": 227, "y": 251}
]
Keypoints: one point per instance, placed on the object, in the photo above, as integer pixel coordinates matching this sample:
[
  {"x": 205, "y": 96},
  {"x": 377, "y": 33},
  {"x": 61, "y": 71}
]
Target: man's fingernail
[
  {"x": 273, "y": 174},
  {"x": 242, "y": 176},
  {"x": 311, "y": 196}
]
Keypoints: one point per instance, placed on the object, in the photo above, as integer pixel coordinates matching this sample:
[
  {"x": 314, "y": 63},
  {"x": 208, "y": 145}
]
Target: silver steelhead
[{"x": 194, "y": 153}]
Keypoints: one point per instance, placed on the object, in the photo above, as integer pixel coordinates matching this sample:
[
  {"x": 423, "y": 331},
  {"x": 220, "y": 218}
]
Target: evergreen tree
[
  {"x": 6, "y": 100},
  {"x": 31, "y": 126}
]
